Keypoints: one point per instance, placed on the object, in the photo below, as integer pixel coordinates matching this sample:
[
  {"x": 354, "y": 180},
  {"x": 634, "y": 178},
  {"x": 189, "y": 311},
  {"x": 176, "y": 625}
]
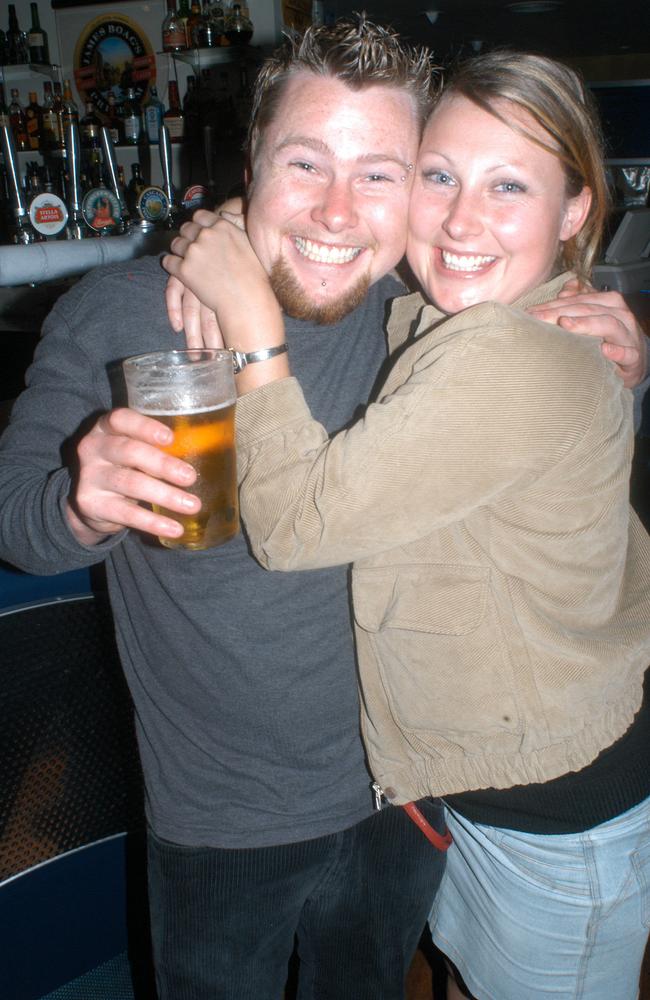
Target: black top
[{"x": 617, "y": 780}]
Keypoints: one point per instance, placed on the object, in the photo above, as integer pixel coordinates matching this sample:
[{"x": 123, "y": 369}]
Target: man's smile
[{"x": 325, "y": 253}]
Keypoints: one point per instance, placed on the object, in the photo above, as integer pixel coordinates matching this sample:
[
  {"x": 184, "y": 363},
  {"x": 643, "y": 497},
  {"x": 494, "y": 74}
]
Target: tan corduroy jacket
[{"x": 500, "y": 581}]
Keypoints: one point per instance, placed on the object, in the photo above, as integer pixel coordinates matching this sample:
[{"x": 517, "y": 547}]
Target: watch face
[
  {"x": 153, "y": 205},
  {"x": 101, "y": 209},
  {"x": 48, "y": 214}
]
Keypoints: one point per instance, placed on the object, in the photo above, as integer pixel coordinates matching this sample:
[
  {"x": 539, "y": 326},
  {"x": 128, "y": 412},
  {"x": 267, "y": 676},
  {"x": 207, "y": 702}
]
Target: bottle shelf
[
  {"x": 19, "y": 71},
  {"x": 205, "y": 58},
  {"x": 200, "y": 59}
]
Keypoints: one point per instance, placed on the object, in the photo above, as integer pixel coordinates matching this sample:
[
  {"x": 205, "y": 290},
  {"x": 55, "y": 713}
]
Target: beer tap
[
  {"x": 165, "y": 147},
  {"x": 77, "y": 228},
  {"x": 208, "y": 149},
  {"x": 110, "y": 164},
  {"x": 23, "y": 231}
]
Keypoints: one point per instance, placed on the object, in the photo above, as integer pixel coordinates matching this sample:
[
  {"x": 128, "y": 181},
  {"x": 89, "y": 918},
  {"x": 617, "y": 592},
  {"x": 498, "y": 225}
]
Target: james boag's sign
[{"x": 112, "y": 54}]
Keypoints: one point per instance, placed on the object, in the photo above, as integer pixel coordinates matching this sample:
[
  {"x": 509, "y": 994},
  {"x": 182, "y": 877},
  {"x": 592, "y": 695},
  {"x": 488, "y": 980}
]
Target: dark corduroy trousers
[{"x": 224, "y": 922}]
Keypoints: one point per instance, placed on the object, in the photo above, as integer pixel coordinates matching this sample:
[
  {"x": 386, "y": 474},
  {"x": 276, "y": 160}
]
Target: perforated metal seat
[{"x": 72, "y": 879}]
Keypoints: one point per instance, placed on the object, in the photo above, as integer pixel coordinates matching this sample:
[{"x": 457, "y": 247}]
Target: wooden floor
[{"x": 426, "y": 977}]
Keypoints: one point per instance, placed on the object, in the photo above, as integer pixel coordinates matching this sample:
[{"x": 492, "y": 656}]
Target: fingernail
[
  {"x": 190, "y": 502},
  {"x": 164, "y": 436}
]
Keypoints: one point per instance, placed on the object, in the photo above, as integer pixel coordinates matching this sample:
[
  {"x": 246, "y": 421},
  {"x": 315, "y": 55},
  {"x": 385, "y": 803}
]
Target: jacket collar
[{"x": 412, "y": 315}]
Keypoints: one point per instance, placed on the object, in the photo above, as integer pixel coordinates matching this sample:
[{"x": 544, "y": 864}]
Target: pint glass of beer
[{"x": 193, "y": 392}]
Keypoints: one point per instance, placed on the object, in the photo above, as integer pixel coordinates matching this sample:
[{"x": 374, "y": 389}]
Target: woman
[{"x": 500, "y": 580}]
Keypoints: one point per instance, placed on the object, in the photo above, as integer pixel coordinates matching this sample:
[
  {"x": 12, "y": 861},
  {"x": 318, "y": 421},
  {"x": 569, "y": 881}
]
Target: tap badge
[
  {"x": 153, "y": 205},
  {"x": 48, "y": 214},
  {"x": 101, "y": 209},
  {"x": 112, "y": 54}
]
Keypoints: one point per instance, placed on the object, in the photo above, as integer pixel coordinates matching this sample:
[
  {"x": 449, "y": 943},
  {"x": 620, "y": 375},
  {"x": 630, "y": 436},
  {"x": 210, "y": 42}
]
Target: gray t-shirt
[{"x": 244, "y": 682}]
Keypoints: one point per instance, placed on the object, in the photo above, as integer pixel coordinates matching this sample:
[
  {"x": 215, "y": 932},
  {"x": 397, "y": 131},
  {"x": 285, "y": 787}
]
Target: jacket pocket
[{"x": 439, "y": 651}]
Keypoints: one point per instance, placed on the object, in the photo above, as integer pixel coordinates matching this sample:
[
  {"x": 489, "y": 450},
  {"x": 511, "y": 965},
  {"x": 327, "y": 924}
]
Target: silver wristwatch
[{"x": 240, "y": 358}]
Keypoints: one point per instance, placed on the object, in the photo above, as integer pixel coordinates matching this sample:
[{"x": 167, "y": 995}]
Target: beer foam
[{"x": 185, "y": 411}]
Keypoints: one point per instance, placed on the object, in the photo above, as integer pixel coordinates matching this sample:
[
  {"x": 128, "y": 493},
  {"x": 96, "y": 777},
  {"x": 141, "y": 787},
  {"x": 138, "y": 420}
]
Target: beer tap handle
[
  {"x": 23, "y": 229},
  {"x": 76, "y": 226},
  {"x": 73, "y": 154},
  {"x": 165, "y": 147},
  {"x": 208, "y": 151},
  {"x": 110, "y": 162}
]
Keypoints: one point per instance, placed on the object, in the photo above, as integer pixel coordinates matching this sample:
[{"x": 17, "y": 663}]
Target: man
[{"x": 258, "y": 798}]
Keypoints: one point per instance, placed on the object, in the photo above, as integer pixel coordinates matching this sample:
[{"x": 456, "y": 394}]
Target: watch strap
[{"x": 242, "y": 358}]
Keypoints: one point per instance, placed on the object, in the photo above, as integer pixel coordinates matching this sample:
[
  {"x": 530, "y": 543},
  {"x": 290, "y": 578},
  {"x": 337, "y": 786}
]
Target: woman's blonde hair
[{"x": 555, "y": 97}]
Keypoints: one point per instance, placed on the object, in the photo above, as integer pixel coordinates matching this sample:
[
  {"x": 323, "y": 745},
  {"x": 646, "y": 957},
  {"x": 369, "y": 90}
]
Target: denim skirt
[{"x": 527, "y": 916}]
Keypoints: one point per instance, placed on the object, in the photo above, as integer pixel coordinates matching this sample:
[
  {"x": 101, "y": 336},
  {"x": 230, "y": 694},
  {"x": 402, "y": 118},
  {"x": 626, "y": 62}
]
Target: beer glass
[{"x": 193, "y": 392}]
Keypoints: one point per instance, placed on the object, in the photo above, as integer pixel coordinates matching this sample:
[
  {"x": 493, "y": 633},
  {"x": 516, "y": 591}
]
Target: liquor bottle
[
  {"x": 184, "y": 13},
  {"x": 49, "y": 120},
  {"x": 239, "y": 27},
  {"x": 94, "y": 166},
  {"x": 17, "y": 51},
  {"x": 226, "y": 123},
  {"x": 317, "y": 13},
  {"x": 207, "y": 35},
  {"x": 215, "y": 14},
  {"x": 191, "y": 110},
  {"x": 48, "y": 182},
  {"x": 113, "y": 122},
  {"x": 4, "y": 58},
  {"x": 33, "y": 183},
  {"x": 58, "y": 110},
  {"x": 153, "y": 112},
  {"x": 205, "y": 109},
  {"x": 34, "y": 121},
  {"x": 174, "y": 35},
  {"x": 89, "y": 127},
  {"x": 130, "y": 119},
  {"x": 17, "y": 122},
  {"x": 37, "y": 40},
  {"x": 4, "y": 110},
  {"x": 194, "y": 25},
  {"x": 70, "y": 114},
  {"x": 136, "y": 186},
  {"x": 174, "y": 118},
  {"x": 63, "y": 184}
]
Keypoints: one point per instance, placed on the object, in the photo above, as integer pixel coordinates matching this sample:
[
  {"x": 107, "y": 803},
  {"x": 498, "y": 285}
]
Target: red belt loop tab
[{"x": 441, "y": 841}]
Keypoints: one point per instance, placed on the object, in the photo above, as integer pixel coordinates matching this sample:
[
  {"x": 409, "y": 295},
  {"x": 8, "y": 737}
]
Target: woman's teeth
[
  {"x": 464, "y": 263},
  {"x": 321, "y": 253}
]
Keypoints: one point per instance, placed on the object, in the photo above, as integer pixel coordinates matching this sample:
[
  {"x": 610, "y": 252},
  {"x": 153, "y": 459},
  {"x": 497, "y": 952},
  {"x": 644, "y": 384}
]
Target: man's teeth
[
  {"x": 465, "y": 263},
  {"x": 323, "y": 254}
]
